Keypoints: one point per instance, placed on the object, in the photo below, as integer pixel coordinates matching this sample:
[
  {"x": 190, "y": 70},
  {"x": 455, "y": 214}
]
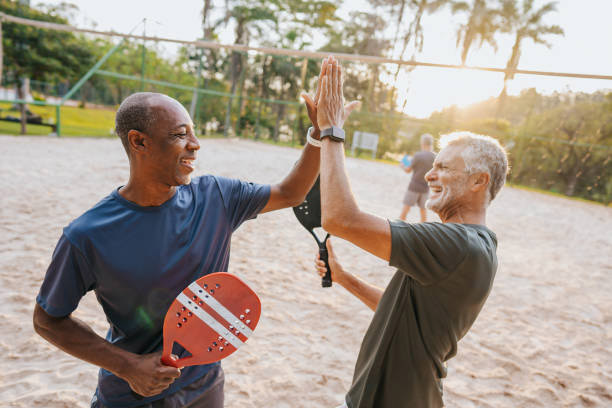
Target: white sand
[{"x": 544, "y": 338}]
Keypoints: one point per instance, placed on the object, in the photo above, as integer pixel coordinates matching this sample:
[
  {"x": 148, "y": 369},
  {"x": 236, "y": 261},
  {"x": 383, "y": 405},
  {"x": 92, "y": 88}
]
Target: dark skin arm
[
  {"x": 145, "y": 374},
  {"x": 294, "y": 187}
]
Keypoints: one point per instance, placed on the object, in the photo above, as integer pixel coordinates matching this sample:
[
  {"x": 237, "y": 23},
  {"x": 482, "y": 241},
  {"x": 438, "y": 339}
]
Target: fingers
[
  {"x": 321, "y": 75},
  {"x": 339, "y": 84},
  {"x": 169, "y": 372},
  {"x": 307, "y": 98},
  {"x": 310, "y": 104},
  {"x": 324, "y": 93},
  {"x": 349, "y": 107},
  {"x": 334, "y": 74},
  {"x": 330, "y": 78},
  {"x": 330, "y": 249}
]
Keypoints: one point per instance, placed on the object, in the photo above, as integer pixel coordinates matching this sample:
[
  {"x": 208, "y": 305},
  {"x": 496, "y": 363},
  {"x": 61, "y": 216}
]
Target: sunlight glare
[{"x": 440, "y": 88}]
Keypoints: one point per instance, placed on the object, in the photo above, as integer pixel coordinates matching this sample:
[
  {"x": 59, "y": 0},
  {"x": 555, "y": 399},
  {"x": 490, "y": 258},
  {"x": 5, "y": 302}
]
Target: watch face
[{"x": 334, "y": 133}]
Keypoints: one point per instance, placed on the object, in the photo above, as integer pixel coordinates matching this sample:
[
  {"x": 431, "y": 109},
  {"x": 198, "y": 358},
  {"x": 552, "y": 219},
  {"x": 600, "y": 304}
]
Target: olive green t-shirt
[{"x": 445, "y": 273}]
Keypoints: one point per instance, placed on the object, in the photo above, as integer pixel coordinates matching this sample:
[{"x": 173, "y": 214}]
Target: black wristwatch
[{"x": 334, "y": 133}]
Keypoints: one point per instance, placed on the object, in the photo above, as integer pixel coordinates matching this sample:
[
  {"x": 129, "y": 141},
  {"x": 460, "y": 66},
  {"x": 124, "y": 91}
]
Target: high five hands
[{"x": 328, "y": 108}]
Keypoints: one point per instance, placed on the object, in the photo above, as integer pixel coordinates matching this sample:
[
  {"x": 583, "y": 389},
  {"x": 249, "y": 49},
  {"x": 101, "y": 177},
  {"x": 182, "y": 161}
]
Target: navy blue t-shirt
[{"x": 137, "y": 260}]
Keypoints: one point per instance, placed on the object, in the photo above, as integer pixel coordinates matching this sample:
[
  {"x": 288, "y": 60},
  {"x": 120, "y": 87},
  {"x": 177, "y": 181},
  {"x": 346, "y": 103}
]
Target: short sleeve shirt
[
  {"x": 137, "y": 259},
  {"x": 422, "y": 162},
  {"x": 445, "y": 273}
]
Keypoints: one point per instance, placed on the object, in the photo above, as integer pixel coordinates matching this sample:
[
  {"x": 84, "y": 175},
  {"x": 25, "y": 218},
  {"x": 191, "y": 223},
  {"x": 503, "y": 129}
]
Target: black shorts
[{"x": 190, "y": 396}]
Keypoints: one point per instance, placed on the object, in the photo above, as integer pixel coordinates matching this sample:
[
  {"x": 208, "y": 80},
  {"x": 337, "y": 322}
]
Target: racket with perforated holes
[
  {"x": 309, "y": 215},
  {"x": 211, "y": 318}
]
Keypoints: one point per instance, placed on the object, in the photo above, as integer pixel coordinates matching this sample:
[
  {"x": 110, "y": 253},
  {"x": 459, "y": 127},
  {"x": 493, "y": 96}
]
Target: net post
[{"x": 58, "y": 122}]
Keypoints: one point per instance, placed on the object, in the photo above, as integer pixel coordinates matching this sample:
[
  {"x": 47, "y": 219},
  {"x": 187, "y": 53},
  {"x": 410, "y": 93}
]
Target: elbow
[
  {"x": 294, "y": 201},
  {"x": 37, "y": 321},
  {"x": 41, "y": 321},
  {"x": 334, "y": 224}
]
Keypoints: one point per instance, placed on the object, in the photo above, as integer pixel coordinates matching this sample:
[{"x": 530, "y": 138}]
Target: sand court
[{"x": 543, "y": 339}]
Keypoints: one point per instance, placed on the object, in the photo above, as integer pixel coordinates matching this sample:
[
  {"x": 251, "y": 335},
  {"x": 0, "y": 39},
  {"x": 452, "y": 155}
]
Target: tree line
[{"x": 265, "y": 88}]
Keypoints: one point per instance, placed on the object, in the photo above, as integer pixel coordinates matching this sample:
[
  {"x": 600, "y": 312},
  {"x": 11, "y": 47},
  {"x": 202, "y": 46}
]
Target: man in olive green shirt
[{"x": 445, "y": 270}]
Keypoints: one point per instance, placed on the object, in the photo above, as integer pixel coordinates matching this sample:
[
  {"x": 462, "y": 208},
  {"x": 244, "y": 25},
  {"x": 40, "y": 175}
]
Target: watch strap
[{"x": 310, "y": 139}]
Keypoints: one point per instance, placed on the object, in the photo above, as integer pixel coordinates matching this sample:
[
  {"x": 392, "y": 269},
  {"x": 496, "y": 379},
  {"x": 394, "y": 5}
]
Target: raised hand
[
  {"x": 331, "y": 110},
  {"x": 311, "y": 105}
]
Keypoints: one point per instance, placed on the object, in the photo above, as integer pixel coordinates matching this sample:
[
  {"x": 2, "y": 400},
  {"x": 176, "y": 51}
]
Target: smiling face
[
  {"x": 448, "y": 181},
  {"x": 173, "y": 145}
]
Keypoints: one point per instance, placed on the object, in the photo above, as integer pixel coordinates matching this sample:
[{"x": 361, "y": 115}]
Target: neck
[
  {"x": 464, "y": 215},
  {"x": 146, "y": 193}
]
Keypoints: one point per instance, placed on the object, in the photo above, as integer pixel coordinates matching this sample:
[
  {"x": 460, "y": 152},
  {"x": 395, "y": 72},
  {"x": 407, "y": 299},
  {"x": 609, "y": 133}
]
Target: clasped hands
[{"x": 328, "y": 108}]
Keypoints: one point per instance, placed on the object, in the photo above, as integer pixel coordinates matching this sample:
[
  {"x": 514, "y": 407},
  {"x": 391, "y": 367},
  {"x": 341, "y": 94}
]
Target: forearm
[
  {"x": 302, "y": 176},
  {"x": 338, "y": 206},
  {"x": 367, "y": 293},
  {"x": 76, "y": 338}
]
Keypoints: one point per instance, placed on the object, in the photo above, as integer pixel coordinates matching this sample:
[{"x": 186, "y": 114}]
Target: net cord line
[{"x": 292, "y": 53}]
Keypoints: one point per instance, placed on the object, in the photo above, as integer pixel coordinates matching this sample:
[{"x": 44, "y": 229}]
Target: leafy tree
[
  {"x": 525, "y": 23},
  {"x": 362, "y": 36},
  {"x": 246, "y": 16},
  {"x": 481, "y": 26},
  {"x": 44, "y": 55}
]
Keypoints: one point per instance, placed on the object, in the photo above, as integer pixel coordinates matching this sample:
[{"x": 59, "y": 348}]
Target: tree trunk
[
  {"x": 235, "y": 70},
  {"x": 262, "y": 94},
  {"x": 372, "y": 89},
  {"x": 23, "y": 108},
  {"x": 1, "y": 53},
  {"x": 280, "y": 113},
  {"x": 509, "y": 74},
  {"x": 234, "y": 73},
  {"x": 228, "y": 111},
  {"x": 243, "y": 73}
]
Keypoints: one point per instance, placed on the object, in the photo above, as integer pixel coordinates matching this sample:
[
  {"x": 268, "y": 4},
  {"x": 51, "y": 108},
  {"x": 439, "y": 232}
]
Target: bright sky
[{"x": 585, "y": 48}]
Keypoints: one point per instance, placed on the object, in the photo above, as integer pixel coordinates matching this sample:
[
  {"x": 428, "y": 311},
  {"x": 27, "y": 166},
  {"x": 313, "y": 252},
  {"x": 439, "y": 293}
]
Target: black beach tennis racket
[{"x": 309, "y": 215}]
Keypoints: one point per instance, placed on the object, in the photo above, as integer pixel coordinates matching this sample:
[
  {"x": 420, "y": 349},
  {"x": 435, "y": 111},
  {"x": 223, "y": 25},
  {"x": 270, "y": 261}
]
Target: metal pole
[
  {"x": 1, "y": 50},
  {"x": 58, "y": 122},
  {"x": 89, "y": 73}
]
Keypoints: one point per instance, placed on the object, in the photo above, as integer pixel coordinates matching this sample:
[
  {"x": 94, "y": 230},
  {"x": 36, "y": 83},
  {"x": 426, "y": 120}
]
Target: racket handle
[{"x": 326, "y": 282}]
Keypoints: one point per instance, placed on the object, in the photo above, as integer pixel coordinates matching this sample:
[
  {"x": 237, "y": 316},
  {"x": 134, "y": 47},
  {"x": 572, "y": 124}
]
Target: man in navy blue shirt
[{"x": 144, "y": 243}]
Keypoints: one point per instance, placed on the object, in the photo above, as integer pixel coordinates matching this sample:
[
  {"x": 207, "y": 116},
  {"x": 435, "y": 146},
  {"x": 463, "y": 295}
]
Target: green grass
[
  {"x": 14, "y": 128},
  {"x": 555, "y": 194},
  {"x": 74, "y": 121}
]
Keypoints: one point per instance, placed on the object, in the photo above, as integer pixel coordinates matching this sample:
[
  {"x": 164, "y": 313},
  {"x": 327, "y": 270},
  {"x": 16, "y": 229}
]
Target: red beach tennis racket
[{"x": 211, "y": 318}]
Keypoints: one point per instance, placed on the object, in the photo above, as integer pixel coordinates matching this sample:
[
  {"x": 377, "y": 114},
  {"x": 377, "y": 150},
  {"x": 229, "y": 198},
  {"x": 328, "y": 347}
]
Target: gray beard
[{"x": 449, "y": 195}]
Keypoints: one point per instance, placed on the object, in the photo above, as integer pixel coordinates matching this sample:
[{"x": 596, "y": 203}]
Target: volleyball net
[{"x": 563, "y": 155}]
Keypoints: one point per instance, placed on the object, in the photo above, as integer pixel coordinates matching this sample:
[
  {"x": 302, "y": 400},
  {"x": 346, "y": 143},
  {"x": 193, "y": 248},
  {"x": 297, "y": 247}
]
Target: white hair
[{"x": 482, "y": 154}]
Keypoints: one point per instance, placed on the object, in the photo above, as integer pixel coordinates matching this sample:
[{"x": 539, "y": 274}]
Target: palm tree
[
  {"x": 415, "y": 28},
  {"x": 247, "y": 15},
  {"x": 414, "y": 33},
  {"x": 481, "y": 26},
  {"x": 525, "y": 23}
]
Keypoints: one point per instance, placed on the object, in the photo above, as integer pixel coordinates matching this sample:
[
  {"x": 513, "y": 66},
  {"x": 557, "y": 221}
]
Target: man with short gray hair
[
  {"x": 417, "y": 191},
  {"x": 445, "y": 270}
]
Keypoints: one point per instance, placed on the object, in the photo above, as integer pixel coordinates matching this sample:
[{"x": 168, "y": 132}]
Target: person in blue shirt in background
[{"x": 144, "y": 243}]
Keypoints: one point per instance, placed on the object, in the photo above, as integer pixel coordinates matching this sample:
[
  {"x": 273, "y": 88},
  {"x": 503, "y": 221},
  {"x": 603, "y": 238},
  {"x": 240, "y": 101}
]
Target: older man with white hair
[{"x": 445, "y": 270}]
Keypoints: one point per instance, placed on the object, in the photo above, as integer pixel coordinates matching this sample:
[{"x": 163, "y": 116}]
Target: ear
[
  {"x": 480, "y": 182},
  {"x": 137, "y": 141}
]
